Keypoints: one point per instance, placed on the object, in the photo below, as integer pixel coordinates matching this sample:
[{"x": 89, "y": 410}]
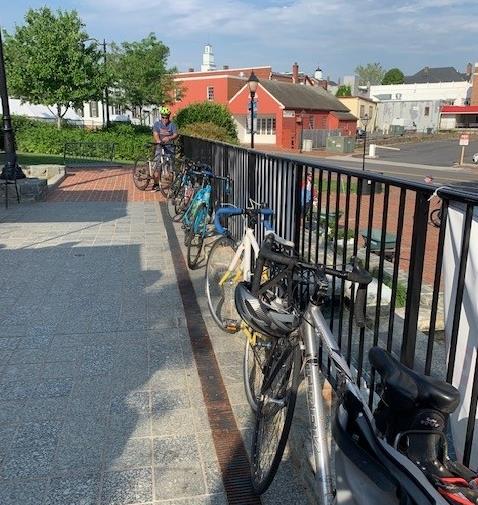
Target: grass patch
[{"x": 401, "y": 289}]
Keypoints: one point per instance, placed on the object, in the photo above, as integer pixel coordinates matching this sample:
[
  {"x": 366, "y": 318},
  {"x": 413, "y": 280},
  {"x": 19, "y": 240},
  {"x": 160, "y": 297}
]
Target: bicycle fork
[{"x": 317, "y": 414}]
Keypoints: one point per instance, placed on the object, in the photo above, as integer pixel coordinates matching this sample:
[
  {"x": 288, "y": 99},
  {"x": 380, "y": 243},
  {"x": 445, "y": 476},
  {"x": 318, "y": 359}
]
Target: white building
[{"x": 450, "y": 93}]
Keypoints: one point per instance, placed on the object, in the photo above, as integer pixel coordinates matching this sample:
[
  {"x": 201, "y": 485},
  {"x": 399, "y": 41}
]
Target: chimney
[
  {"x": 190, "y": 69},
  {"x": 295, "y": 73},
  {"x": 474, "y": 86},
  {"x": 225, "y": 67}
]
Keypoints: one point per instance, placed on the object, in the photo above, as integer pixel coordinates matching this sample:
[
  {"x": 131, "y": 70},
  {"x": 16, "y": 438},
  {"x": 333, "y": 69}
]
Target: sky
[{"x": 336, "y": 35}]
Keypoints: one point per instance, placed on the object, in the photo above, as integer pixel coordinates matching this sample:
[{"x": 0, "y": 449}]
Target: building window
[
  {"x": 117, "y": 110},
  {"x": 427, "y": 111},
  {"x": 79, "y": 111},
  {"x": 93, "y": 109},
  {"x": 266, "y": 126},
  {"x": 210, "y": 93},
  {"x": 312, "y": 122},
  {"x": 177, "y": 95},
  {"x": 362, "y": 110},
  {"x": 370, "y": 111}
]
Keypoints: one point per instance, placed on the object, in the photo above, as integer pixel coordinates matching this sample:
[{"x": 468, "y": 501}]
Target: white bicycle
[{"x": 231, "y": 262}]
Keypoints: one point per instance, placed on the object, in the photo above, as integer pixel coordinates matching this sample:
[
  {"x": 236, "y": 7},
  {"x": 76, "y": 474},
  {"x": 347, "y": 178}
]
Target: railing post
[
  {"x": 297, "y": 210},
  {"x": 415, "y": 274}
]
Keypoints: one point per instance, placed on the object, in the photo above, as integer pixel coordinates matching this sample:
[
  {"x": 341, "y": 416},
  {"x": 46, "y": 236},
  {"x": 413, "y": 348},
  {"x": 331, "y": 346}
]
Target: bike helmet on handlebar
[
  {"x": 164, "y": 111},
  {"x": 266, "y": 317}
]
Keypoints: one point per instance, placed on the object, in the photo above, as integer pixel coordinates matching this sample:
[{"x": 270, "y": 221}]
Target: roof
[
  {"x": 359, "y": 97},
  {"x": 298, "y": 96},
  {"x": 459, "y": 109},
  {"x": 344, "y": 116},
  {"x": 439, "y": 74}
]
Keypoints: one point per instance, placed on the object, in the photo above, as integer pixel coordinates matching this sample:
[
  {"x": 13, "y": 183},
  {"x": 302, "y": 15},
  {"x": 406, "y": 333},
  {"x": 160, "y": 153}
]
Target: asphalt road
[{"x": 438, "y": 153}]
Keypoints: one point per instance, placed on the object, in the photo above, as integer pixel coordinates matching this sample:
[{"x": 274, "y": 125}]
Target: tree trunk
[
  {"x": 58, "y": 116},
  {"x": 141, "y": 115}
]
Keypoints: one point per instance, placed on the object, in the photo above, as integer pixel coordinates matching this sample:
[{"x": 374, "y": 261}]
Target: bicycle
[
  {"x": 398, "y": 454},
  {"x": 435, "y": 217},
  {"x": 200, "y": 218},
  {"x": 158, "y": 162},
  {"x": 230, "y": 262},
  {"x": 182, "y": 189}
]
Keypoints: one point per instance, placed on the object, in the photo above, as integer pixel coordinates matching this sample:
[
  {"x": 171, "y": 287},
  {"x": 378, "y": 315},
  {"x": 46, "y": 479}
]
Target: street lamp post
[
  {"x": 252, "y": 82},
  {"x": 301, "y": 129},
  {"x": 106, "y": 92},
  {"x": 11, "y": 170},
  {"x": 365, "y": 121}
]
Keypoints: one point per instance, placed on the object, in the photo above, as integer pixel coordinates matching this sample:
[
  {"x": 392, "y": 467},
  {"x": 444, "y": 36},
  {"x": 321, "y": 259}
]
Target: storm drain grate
[{"x": 228, "y": 442}]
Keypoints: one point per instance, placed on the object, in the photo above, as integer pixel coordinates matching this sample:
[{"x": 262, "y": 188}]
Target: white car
[{"x": 475, "y": 158}]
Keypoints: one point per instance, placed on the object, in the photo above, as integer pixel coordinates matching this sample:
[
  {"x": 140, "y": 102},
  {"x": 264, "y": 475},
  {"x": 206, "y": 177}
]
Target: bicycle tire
[
  {"x": 282, "y": 376},
  {"x": 435, "y": 217},
  {"x": 221, "y": 298},
  {"x": 166, "y": 177},
  {"x": 141, "y": 175},
  {"x": 254, "y": 359},
  {"x": 196, "y": 239},
  {"x": 173, "y": 193}
]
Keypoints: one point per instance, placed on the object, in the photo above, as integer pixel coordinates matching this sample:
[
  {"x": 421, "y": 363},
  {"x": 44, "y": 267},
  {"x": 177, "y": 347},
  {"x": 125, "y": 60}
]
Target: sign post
[{"x": 464, "y": 141}]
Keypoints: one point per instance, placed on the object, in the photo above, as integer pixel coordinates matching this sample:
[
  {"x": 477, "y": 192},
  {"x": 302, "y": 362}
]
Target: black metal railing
[{"x": 415, "y": 310}]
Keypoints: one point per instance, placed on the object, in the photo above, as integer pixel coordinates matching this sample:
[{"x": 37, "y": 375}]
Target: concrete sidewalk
[{"x": 100, "y": 397}]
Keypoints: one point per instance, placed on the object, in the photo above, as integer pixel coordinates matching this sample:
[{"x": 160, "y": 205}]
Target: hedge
[
  {"x": 33, "y": 136},
  {"x": 208, "y": 131}
]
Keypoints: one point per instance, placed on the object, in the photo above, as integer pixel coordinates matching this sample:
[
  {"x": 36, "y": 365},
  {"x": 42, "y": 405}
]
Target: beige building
[{"x": 359, "y": 106}]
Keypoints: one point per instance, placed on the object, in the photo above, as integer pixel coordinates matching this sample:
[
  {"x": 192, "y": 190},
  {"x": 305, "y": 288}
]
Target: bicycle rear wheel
[
  {"x": 141, "y": 174},
  {"x": 275, "y": 411},
  {"x": 172, "y": 195},
  {"x": 196, "y": 238},
  {"x": 435, "y": 217},
  {"x": 220, "y": 285},
  {"x": 166, "y": 176}
]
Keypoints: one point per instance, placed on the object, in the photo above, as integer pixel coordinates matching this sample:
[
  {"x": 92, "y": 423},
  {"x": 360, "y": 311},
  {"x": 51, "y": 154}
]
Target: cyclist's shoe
[{"x": 155, "y": 187}]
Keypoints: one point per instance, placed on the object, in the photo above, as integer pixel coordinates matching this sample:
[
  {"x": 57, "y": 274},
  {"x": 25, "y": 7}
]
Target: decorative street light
[
  {"x": 252, "y": 82},
  {"x": 302, "y": 114},
  {"x": 11, "y": 171},
  {"x": 365, "y": 119},
  {"x": 106, "y": 92}
]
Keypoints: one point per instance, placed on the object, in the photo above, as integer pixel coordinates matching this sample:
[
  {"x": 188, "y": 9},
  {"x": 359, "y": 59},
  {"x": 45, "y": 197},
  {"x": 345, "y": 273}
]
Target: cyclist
[{"x": 165, "y": 132}]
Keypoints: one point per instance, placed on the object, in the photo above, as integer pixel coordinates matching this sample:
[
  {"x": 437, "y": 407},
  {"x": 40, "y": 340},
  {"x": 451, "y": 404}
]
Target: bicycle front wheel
[
  {"x": 196, "y": 238},
  {"x": 255, "y": 357},
  {"x": 221, "y": 284},
  {"x": 141, "y": 174},
  {"x": 166, "y": 177},
  {"x": 275, "y": 411}
]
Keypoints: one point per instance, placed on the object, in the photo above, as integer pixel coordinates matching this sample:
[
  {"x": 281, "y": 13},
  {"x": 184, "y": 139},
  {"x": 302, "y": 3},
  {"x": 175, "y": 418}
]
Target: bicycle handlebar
[
  {"x": 237, "y": 211},
  {"x": 357, "y": 275}
]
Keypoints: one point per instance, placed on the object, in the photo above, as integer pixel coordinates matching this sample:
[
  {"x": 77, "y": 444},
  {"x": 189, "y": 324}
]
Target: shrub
[
  {"x": 208, "y": 131},
  {"x": 34, "y": 136},
  {"x": 207, "y": 112}
]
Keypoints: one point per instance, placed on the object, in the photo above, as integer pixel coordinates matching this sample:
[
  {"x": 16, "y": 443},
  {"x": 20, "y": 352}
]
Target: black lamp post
[
  {"x": 252, "y": 82},
  {"x": 302, "y": 114},
  {"x": 106, "y": 92},
  {"x": 11, "y": 170},
  {"x": 365, "y": 121}
]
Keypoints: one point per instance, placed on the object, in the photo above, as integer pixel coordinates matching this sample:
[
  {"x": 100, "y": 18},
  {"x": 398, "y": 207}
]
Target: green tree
[
  {"x": 207, "y": 112},
  {"x": 140, "y": 74},
  {"x": 372, "y": 73},
  {"x": 48, "y": 61},
  {"x": 393, "y": 76},
  {"x": 344, "y": 91}
]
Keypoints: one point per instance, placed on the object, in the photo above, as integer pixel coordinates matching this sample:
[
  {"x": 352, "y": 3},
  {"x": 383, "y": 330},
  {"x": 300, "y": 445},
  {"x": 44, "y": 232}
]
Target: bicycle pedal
[{"x": 231, "y": 326}]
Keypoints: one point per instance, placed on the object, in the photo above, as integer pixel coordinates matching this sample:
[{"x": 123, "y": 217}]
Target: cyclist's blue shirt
[{"x": 165, "y": 130}]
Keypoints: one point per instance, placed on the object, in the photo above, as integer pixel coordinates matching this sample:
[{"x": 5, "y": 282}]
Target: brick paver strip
[{"x": 228, "y": 442}]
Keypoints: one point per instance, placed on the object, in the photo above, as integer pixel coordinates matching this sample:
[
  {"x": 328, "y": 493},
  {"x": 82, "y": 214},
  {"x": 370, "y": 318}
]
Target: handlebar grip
[
  {"x": 225, "y": 211},
  {"x": 265, "y": 252},
  {"x": 360, "y": 303}
]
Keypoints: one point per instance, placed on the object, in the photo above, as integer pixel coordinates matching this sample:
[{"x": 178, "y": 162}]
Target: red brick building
[{"x": 284, "y": 109}]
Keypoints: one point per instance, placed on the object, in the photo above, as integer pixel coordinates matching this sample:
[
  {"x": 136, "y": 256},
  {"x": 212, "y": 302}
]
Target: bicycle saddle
[{"x": 406, "y": 389}]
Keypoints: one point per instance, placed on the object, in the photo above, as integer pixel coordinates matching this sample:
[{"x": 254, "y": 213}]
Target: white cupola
[{"x": 208, "y": 59}]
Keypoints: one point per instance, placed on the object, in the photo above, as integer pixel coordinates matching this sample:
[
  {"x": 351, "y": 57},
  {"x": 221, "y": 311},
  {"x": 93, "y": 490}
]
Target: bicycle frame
[
  {"x": 248, "y": 241},
  {"x": 314, "y": 328}
]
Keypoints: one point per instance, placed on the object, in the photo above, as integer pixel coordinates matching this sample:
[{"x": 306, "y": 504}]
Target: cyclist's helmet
[
  {"x": 266, "y": 317},
  {"x": 164, "y": 111}
]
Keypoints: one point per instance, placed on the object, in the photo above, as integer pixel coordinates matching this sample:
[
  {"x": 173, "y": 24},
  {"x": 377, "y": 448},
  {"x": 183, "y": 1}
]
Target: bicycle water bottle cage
[{"x": 406, "y": 389}]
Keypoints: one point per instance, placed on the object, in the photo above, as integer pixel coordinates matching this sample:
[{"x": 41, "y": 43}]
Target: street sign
[
  {"x": 248, "y": 125},
  {"x": 464, "y": 139},
  {"x": 253, "y": 105}
]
